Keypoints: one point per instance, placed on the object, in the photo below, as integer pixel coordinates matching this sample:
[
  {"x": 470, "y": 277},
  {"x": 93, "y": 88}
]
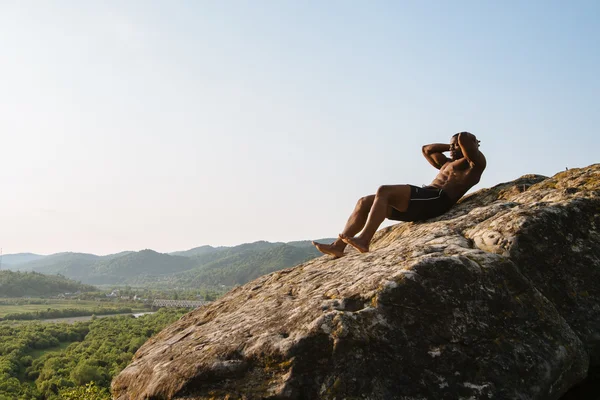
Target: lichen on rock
[{"x": 498, "y": 298}]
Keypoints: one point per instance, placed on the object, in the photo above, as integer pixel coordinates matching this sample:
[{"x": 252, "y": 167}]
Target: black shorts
[{"x": 425, "y": 202}]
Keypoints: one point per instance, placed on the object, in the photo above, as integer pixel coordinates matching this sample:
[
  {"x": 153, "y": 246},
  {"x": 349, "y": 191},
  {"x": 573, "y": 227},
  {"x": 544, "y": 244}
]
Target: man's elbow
[
  {"x": 425, "y": 150},
  {"x": 466, "y": 138}
]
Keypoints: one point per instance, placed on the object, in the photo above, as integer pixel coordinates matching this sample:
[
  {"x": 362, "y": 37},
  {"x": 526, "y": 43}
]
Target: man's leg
[
  {"x": 396, "y": 196},
  {"x": 355, "y": 223}
]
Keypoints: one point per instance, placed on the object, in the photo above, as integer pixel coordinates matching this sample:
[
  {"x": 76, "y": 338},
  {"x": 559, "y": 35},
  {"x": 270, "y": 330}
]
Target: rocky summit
[{"x": 497, "y": 299}]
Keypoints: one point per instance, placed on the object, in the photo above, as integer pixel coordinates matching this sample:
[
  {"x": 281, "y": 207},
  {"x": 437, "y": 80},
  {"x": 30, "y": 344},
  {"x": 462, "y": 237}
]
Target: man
[{"x": 457, "y": 175}]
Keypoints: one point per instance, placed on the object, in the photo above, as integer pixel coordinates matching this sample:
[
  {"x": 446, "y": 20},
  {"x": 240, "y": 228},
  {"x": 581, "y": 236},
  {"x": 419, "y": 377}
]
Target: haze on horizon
[{"x": 149, "y": 124}]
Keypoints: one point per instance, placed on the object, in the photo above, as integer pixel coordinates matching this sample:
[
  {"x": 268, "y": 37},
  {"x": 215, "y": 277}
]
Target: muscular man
[{"x": 410, "y": 203}]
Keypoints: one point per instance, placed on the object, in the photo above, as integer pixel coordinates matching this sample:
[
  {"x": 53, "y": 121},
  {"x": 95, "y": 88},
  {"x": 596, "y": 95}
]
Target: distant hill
[
  {"x": 244, "y": 265},
  {"x": 239, "y": 264},
  {"x": 200, "y": 266},
  {"x": 72, "y": 265},
  {"x": 116, "y": 255},
  {"x": 19, "y": 284},
  {"x": 130, "y": 267},
  {"x": 196, "y": 251},
  {"x": 9, "y": 261}
]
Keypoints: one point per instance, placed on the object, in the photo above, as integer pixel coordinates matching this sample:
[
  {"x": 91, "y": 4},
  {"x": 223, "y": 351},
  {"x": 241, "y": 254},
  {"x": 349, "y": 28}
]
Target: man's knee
[
  {"x": 385, "y": 190},
  {"x": 365, "y": 202}
]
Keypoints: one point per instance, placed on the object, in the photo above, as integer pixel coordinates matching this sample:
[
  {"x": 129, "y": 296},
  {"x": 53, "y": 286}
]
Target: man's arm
[
  {"x": 434, "y": 153},
  {"x": 470, "y": 148}
]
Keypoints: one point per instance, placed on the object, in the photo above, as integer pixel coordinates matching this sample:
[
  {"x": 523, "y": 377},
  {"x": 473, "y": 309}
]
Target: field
[
  {"x": 10, "y": 306},
  {"x": 57, "y": 349}
]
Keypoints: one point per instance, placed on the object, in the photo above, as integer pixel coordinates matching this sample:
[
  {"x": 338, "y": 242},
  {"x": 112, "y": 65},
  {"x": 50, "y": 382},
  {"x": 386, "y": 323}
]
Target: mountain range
[
  {"x": 200, "y": 266},
  {"x": 33, "y": 284}
]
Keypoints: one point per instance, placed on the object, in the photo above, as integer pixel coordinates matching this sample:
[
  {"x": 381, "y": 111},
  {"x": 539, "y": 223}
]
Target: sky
[{"x": 127, "y": 125}]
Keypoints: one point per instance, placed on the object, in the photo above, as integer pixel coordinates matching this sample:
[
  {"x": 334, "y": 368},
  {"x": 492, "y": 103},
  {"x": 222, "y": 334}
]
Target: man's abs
[{"x": 455, "y": 181}]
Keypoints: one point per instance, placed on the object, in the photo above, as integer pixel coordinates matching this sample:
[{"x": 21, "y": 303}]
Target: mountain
[
  {"x": 116, "y": 255},
  {"x": 200, "y": 266},
  {"x": 110, "y": 269},
  {"x": 9, "y": 261},
  {"x": 241, "y": 264},
  {"x": 496, "y": 299},
  {"x": 196, "y": 251},
  {"x": 19, "y": 284},
  {"x": 130, "y": 267},
  {"x": 69, "y": 264}
]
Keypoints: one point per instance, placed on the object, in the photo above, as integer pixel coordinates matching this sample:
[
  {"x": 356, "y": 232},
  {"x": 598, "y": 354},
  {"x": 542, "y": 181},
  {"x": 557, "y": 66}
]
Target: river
[{"x": 72, "y": 320}]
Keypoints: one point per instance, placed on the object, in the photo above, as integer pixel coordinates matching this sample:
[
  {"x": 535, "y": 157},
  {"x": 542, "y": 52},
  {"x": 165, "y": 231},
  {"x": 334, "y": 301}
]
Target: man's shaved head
[{"x": 455, "y": 150}]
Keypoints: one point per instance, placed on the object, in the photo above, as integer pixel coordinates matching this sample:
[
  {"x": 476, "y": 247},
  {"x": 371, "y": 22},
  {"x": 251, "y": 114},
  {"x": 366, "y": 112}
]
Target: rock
[{"x": 499, "y": 298}]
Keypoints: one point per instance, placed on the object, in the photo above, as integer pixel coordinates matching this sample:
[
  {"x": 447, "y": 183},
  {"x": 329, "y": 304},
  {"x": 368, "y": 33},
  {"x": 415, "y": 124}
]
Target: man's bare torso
[
  {"x": 462, "y": 170},
  {"x": 456, "y": 178}
]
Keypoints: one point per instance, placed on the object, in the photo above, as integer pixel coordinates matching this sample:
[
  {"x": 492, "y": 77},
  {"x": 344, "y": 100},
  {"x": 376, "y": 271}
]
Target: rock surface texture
[{"x": 497, "y": 299}]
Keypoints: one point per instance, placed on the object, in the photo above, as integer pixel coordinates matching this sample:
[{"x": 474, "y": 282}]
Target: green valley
[
  {"x": 57, "y": 361},
  {"x": 77, "y": 360},
  {"x": 202, "y": 266}
]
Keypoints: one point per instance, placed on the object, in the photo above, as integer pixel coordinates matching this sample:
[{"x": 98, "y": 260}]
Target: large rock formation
[{"x": 499, "y": 298}]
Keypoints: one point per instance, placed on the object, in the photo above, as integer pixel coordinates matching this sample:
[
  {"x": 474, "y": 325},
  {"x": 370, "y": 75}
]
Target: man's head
[{"x": 455, "y": 150}]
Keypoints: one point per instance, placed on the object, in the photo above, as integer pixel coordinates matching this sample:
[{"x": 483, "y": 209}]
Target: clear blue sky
[{"x": 127, "y": 125}]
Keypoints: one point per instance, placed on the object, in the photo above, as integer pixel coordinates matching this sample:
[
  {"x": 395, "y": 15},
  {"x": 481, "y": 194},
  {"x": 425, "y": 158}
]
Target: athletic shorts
[{"x": 425, "y": 202}]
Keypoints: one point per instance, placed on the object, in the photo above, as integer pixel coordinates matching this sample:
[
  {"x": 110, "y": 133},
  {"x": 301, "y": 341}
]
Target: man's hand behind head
[
  {"x": 468, "y": 136},
  {"x": 469, "y": 145}
]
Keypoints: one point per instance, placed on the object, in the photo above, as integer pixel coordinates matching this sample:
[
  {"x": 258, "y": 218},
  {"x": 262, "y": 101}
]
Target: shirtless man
[{"x": 457, "y": 175}]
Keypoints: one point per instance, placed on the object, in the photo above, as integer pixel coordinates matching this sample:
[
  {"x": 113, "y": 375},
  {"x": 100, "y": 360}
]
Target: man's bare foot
[
  {"x": 355, "y": 242},
  {"x": 330, "y": 249}
]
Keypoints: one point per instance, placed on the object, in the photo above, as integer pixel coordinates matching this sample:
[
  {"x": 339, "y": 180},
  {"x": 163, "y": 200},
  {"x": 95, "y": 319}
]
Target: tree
[
  {"x": 85, "y": 372},
  {"x": 88, "y": 392}
]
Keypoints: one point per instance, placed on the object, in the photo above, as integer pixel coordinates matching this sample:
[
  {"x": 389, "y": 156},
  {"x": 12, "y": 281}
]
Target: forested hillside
[
  {"x": 201, "y": 266},
  {"x": 129, "y": 267},
  {"x": 68, "y": 264},
  {"x": 196, "y": 251},
  {"x": 45, "y": 361},
  {"x": 237, "y": 268},
  {"x": 237, "y": 265},
  {"x": 10, "y": 261},
  {"x": 19, "y": 284}
]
